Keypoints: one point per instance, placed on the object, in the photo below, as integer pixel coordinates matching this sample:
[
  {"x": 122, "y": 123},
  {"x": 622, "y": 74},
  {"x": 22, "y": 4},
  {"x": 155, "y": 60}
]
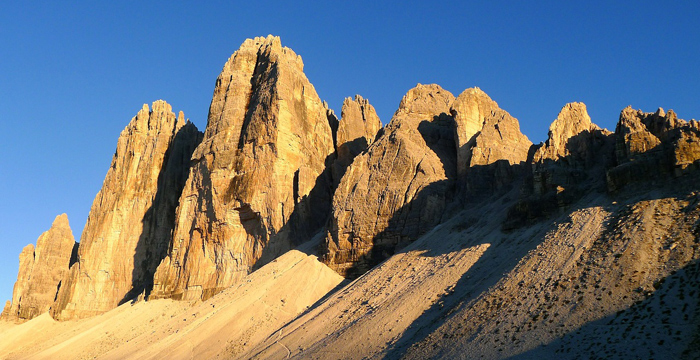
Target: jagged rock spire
[
  {"x": 259, "y": 183},
  {"x": 128, "y": 229},
  {"x": 41, "y": 269},
  {"x": 398, "y": 188}
]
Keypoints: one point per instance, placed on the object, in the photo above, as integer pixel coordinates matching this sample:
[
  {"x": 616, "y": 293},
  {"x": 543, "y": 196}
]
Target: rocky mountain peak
[
  {"x": 653, "y": 145},
  {"x": 568, "y": 133},
  {"x": 41, "y": 269},
  {"x": 484, "y": 133},
  {"x": 488, "y": 143},
  {"x": 132, "y": 214},
  {"x": 423, "y": 100},
  {"x": 259, "y": 182},
  {"x": 406, "y": 175},
  {"x": 356, "y": 131},
  {"x": 470, "y": 110}
]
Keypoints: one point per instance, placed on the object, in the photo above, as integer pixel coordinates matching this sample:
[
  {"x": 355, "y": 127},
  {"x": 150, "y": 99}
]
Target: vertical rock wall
[
  {"x": 41, "y": 269},
  {"x": 128, "y": 229},
  {"x": 259, "y": 183},
  {"x": 398, "y": 188}
]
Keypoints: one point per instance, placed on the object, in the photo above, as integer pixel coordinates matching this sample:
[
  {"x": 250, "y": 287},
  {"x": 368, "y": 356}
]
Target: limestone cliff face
[
  {"x": 357, "y": 130},
  {"x": 489, "y": 143},
  {"x": 653, "y": 145},
  {"x": 398, "y": 189},
  {"x": 128, "y": 229},
  {"x": 258, "y": 184},
  {"x": 41, "y": 269}
]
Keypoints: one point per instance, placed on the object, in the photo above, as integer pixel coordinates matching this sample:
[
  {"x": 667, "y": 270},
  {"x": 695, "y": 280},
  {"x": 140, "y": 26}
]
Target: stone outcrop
[
  {"x": 653, "y": 145},
  {"x": 259, "y": 183},
  {"x": 41, "y": 269},
  {"x": 576, "y": 153},
  {"x": 489, "y": 142},
  {"x": 569, "y": 164},
  {"x": 396, "y": 190},
  {"x": 357, "y": 130},
  {"x": 128, "y": 228}
]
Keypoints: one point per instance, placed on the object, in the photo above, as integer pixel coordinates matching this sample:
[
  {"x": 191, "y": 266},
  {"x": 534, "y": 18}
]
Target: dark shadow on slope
[
  {"x": 497, "y": 260},
  {"x": 473, "y": 285},
  {"x": 346, "y": 154},
  {"x": 159, "y": 220},
  {"x": 664, "y": 325},
  {"x": 551, "y": 185},
  {"x": 552, "y": 205},
  {"x": 310, "y": 214}
]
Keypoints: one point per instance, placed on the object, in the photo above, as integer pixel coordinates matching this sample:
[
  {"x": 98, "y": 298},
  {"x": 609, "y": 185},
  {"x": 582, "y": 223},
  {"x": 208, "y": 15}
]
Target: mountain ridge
[{"x": 448, "y": 215}]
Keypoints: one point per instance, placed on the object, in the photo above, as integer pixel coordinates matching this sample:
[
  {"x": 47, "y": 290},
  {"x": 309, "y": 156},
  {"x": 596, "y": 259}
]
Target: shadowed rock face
[
  {"x": 470, "y": 111},
  {"x": 653, "y": 145},
  {"x": 259, "y": 182},
  {"x": 576, "y": 151},
  {"x": 41, "y": 269},
  {"x": 128, "y": 229},
  {"x": 396, "y": 190},
  {"x": 571, "y": 163}
]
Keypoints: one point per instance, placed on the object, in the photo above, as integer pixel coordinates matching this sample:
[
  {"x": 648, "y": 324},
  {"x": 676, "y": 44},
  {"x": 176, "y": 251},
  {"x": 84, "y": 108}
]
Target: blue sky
[{"x": 71, "y": 78}]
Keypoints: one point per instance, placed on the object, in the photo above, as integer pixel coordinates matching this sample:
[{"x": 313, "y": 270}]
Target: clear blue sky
[{"x": 71, "y": 77}]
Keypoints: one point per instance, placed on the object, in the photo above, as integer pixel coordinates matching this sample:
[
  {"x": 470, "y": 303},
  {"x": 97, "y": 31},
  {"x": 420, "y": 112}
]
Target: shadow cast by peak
[
  {"x": 307, "y": 220},
  {"x": 663, "y": 325},
  {"x": 158, "y": 222}
]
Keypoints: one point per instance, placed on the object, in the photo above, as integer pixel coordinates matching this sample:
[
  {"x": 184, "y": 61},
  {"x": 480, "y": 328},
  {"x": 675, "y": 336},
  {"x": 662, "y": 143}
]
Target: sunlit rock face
[
  {"x": 128, "y": 229},
  {"x": 260, "y": 180},
  {"x": 357, "y": 130},
  {"x": 398, "y": 188},
  {"x": 489, "y": 144},
  {"x": 41, "y": 269}
]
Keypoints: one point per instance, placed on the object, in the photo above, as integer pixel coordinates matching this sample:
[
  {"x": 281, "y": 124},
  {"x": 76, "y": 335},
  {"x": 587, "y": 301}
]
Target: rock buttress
[{"x": 653, "y": 145}]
